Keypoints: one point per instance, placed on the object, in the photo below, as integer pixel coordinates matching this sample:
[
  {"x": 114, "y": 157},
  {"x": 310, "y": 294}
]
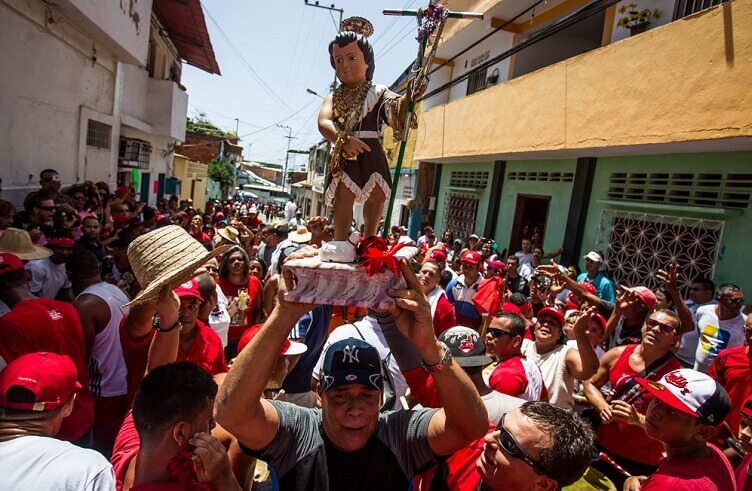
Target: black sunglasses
[
  {"x": 47, "y": 208},
  {"x": 664, "y": 328},
  {"x": 509, "y": 443},
  {"x": 497, "y": 333},
  {"x": 737, "y": 301}
]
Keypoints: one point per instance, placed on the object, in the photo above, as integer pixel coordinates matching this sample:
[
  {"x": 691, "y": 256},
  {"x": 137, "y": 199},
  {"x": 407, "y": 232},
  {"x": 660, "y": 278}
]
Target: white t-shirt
[
  {"x": 556, "y": 377},
  {"x": 47, "y": 278},
  {"x": 498, "y": 404},
  {"x": 219, "y": 318},
  {"x": 688, "y": 346},
  {"x": 371, "y": 331},
  {"x": 525, "y": 258},
  {"x": 40, "y": 462},
  {"x": 716, "y": 335}
]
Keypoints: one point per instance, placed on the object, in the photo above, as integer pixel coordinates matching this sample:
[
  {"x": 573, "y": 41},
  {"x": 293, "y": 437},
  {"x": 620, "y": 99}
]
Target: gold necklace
[{"x": 347, "y": 100}]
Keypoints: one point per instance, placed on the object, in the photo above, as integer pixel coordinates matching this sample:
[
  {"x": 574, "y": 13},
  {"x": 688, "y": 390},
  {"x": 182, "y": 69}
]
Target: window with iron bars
[
  {"x": 98, "y": 135},
  {"x": 134, "y": 153},
  {"x": 476, "y": 82}
]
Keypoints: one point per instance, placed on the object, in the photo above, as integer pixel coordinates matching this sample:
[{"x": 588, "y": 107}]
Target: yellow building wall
[
  {"x": 686, "y": 81},
  {"x": 189, "y": 172}
]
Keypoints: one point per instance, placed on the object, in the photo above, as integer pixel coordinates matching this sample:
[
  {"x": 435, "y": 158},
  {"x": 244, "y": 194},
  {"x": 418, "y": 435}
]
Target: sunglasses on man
[
  {"x": 664, "y": 328},
  {"x": 509, "y": 443},
  {"x": 497, "y": 333},
  {"x": 737, "y": 300}
]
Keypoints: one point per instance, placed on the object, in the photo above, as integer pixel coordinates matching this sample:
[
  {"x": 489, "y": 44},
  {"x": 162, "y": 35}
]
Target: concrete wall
[
  {"x": 559, "y": 192},
  {"x": 51, "y": 83},
  {"x": 682, "y": 82},
  {"x": 735, "y": 261}
]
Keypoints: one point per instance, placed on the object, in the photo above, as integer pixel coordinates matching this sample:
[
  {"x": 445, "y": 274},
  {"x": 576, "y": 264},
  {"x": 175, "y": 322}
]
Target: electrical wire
[{"x": 387, "y": 50}]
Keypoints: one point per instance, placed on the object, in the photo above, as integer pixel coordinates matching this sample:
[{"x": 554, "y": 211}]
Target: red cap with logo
[
  {"x": 437, "y": 256},
  {"x": 557, "y": 314},
  {"x": 472, "y": 257},
  {"x": 189, "y": 289},
  {"x": 9, "y": 263},
  {"x": 50, "y": 377}
]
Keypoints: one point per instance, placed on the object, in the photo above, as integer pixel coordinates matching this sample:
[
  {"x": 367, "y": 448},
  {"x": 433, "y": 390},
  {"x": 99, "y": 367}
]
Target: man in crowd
[
  {"x": 89, "y": 241},
  {"x": 513, "y": 374},
  {"x": 701, "y": 293},
  {"x": 733, "y": 370},
  {"x": 442, "y": 311},
  {"x": 40, "y": 324},
  {"x": 297, "y": 220},
  {"x": 525, "y": 255},
  {"x": 683, "y": 415},
  {"x": 48, "y": 277},
  {"x": 593, "y": 274},
  {"x": 622, "y": 433},
  {"x": 516, "y": 283},
  {"x": 630, "y": 311},
  {"x": 361, "y": 449},
  {"x": 460, "y": 291},
  {"x": 549, "y": 448},
  {"x": 281, "y": 235},
  {"x": 528, "y": 270},
  {"x": 721, "y": 326},
  {"x": 37, "y": 392},
  {"x": 37, "y": 217},
  {"x": 101, "y": 307}
]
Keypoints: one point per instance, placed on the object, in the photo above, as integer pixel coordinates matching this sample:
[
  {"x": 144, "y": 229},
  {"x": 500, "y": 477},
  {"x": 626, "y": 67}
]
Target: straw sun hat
[
  {"x": 230, "y": 233},
  {"x": 165, "y": 258},
  {"x": 18, "y": 242}
]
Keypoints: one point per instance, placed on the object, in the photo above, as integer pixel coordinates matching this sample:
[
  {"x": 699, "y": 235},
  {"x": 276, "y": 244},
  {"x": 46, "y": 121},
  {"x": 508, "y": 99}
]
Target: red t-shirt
[
  {"x": 444, "y": 317},
  {"x": 733, "y": 370},
  {"x": 238, "y": 326},
  {"x": 621, "y": 438},
  {"x": 743, "y": 476},
  {"x": 127, "y": 445},
  {"x": 48, "y": 325},
  {"x": 518, "y": 377},
  {"x": 459, "y": 469},
  {"x": 206, "y": 352},
  {"x": 201, "y": 236},
  {"x": 693, "y": 474}
]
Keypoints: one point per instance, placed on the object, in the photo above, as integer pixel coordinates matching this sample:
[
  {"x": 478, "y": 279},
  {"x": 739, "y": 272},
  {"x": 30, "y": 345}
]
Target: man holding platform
[{"x": 347, "y": 444}]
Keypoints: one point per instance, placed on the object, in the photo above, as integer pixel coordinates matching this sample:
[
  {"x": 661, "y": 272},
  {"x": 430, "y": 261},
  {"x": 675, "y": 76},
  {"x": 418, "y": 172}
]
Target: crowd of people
[{"x": 153, "y": 347}]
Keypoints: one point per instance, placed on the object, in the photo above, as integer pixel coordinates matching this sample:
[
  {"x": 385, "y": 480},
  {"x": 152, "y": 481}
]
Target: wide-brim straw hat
[
  {"x": 18, "y": 242},
  {"x": 300, "y": 236},
  {"x": 230, "y": 233},
  {"x": 165, "y": 258}
]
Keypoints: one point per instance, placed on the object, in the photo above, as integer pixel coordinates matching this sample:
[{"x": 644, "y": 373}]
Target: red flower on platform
[{"x": 377, "y": 256}]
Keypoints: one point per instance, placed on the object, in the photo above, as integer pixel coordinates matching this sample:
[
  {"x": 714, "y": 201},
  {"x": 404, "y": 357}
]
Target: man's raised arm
[
  {"x": 240, "y": 407},
  {"x": 463, "y": 417}
]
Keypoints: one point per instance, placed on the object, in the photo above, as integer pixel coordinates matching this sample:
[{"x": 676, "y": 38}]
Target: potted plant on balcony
[{"x": 637, "y": 21}]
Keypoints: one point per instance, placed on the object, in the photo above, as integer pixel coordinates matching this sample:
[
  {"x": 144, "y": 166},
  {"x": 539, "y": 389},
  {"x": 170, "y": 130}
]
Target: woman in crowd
[{"x": 244, "y": 297}]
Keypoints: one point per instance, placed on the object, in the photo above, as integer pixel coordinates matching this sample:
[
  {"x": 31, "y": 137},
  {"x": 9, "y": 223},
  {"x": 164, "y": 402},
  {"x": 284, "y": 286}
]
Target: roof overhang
[{"x": 185, "y": 25}]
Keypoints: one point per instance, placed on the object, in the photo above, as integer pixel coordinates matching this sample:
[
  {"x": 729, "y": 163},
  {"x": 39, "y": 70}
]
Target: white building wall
[{"x": 53, "y": 77}]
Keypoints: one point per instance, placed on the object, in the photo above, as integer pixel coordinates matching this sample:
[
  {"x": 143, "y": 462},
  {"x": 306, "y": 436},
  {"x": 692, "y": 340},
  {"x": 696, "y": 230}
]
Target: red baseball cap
[
  {"x": 747, "y": 407},
  {"x": 646, "y": 296},
  {"x": 50, "y": 377},
  {"x": 289, "y": 348},
  {"x": 437, "y": 256},
  {"x": 472, "y": 257},
  {"x": 189, "y": 289},
  {"x": 9, "y": 263},
  {"x": 499, "y": 266},
  {"x": 510, "y": 307},
  {"x": 589, "y": 287},
  {"x": 557, "y": 314}
]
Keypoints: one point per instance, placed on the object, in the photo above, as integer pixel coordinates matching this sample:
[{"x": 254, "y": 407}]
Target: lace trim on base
[{"x": 361, "y": 195}]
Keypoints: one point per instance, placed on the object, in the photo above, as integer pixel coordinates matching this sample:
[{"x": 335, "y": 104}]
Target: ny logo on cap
[{"x": 350, "y": 354}]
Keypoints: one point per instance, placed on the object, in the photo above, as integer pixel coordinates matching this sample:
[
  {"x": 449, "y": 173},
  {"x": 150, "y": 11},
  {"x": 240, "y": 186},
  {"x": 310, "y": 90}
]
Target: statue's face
[{"x": 349, "y": 64}]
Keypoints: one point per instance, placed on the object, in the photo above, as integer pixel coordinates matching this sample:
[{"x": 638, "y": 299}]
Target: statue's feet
[{"x": 339, "y": 251}]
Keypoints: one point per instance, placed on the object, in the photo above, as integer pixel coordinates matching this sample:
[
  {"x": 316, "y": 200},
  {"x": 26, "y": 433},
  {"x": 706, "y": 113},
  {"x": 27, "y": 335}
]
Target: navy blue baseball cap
[{"x": 351, "y": 361}]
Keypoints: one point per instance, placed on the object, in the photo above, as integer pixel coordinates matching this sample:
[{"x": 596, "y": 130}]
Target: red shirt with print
[
  {"x": 693, "y": 474},
  {"x": 47, "y": 325},
  {"x": 733, "y": 370},
  {"x": 239, "y": 325}
]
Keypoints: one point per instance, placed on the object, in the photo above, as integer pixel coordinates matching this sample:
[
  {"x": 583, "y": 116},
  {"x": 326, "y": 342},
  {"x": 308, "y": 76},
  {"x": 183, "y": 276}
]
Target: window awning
[{"x": 185, "y": 24}]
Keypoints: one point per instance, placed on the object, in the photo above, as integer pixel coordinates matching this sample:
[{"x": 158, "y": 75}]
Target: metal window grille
[
  {"x": 476, "y": 82},
  {"x": 98, "y": 135},
  {"x": 407, "y": 192},
  {"x": 469, "y": 180},
  {"x": 134, "y": 153},
  {"x": 637, "y": 245},
  {"x": 689, "y": 7},
  {"x": 460, "y": 211},
  {"x": 541, "y": 176},
  {"x": 714, "y": 190}
]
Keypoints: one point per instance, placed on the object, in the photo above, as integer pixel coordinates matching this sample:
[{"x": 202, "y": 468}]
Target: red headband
[
  {"x": 525, "y": 307},
  {"x": 61, "y": 241}
]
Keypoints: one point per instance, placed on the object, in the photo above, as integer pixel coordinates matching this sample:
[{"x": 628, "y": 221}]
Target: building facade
[
  {"x": 93, "y": 90},
  {"x": 637, "y": 144}
]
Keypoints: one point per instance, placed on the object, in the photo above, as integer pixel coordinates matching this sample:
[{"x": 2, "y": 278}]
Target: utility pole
[
  {"x": 335, "y": 9},
  {"x": 287, "y": 154}
]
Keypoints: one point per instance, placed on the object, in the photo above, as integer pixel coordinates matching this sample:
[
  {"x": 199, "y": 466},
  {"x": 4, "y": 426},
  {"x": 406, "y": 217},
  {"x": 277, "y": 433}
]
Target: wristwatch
[
  {"x": 157, "y": 327},
  {"x": 445, "y": 359}
]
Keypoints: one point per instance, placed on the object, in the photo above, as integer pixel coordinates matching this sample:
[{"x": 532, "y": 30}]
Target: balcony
[
  {"x": 156, "y": 107},
  {"x": 121, "y": 27},
  {"x": 679, "y": 87}
]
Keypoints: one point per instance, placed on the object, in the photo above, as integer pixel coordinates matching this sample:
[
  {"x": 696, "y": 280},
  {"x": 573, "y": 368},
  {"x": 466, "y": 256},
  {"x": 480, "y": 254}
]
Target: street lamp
[{"x": 313, "y": 92}]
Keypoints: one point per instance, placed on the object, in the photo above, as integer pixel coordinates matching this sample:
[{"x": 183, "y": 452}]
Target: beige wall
[
  {"x": 687, "y": 81},
  {"x": 188, "y": 171}
]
